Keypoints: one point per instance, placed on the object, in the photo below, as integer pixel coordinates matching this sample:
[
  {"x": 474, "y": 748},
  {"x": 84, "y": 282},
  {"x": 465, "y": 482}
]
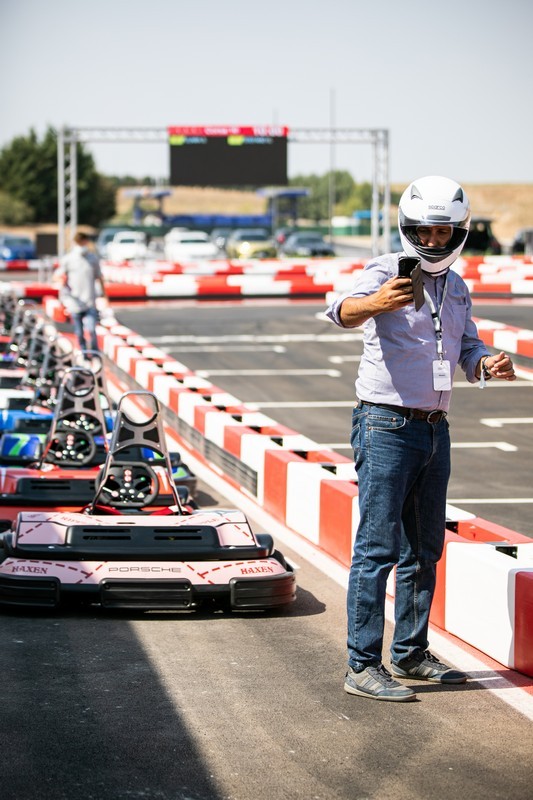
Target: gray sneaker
[
  {"x": 377, "y": 683},
  {"x": 425, "y": 667}
]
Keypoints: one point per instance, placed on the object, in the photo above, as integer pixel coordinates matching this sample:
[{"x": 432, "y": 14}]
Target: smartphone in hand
[
  {"x": 409, "y": 267},
  {"x": 406, "y": 265}
]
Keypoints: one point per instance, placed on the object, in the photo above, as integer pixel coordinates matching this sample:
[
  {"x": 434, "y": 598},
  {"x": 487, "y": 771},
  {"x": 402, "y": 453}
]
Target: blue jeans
[
  {"x": 403, "y": 467},
  {"x": 85, "y": 322}
]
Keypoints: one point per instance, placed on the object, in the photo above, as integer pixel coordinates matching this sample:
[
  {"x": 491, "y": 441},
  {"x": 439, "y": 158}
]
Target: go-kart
[
  {"x": 120, "y": 553},
  {"x": 52, "y": 355},
  {"x": 61, "y": 471},
  {"x": 8, "y": 307},
  {"x": 30, "y": 410},
  {"x": 27, "y": 421},
  {"x": 13, "y": 360},
  {"x": 24, "y": 320}
]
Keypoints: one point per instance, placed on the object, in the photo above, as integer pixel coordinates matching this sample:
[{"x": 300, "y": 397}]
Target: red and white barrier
[
  {"x": 490, "y": 274},
  {"x": 489, "y": 599},
  {"x": 55, "y": 310},
  {"x": 505, "y": 337},
  {"x": 499, "y": 275},
  {"x": 21, "y": 264}
]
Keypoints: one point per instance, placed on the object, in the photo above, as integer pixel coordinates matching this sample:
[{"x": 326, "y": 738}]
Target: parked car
[
  {"x": 16, "y": 248},
  {"x": 480, "y": 238},
  {"x": 281, "y": 234},
  {"x": 105, "y": 236},
  {"x": 219, "y": 236},
  {"x": 250, "y": 243},
  {"x": 523, "y": 241},
  {"x": 127, "y": 246},
  {"x": 310, "y": 244},
  {"x": 184, "y": 245}
]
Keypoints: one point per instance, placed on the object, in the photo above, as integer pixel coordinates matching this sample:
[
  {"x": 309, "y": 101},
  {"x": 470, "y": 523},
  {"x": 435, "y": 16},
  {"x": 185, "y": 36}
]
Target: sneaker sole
[
  {"x": 391, "y": 698},
  {"x": 401, "y": 674}
]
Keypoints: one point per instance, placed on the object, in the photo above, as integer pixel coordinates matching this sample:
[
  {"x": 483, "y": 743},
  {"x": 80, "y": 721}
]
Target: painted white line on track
[
  {"x": 499, "y": 422},
  {"x": 495, "y": 384},
  {"x": 301, "y": 403},
  {"x": 329, "y": 373},
  {"x": 215, "y": 348},
  {"x": 446, "y": 646},
  {"x": 505, "y": 446},
  {"x": 282, "y": 338},
  {"x": 336, "y": 403},
  {"x": 499, "y": 501},
  {"x": 343, "y": 359}
]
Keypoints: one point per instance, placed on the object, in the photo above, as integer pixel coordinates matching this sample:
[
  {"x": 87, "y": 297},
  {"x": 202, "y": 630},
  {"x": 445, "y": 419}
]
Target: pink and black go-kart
[{"x": 127, "y": 550}]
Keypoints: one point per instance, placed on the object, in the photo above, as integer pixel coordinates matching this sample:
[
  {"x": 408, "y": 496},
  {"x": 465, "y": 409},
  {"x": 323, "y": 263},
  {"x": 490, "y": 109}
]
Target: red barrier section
[
  {"x": 275, "y": 491},
  {"x": 118, "y": 291},
  {"x": 326, "y": 457},
  {"x": 232, "y": 438},
  {"x": 200, "y": 414},
  {"x": 336, "y": 518},
  {"x": 481, "y": 530},
  {"x": 216, "y": 285},
  {"x": 524, "y": 622}
]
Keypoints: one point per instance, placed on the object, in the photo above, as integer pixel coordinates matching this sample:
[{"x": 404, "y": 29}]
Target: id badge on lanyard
[{"x": 442, "y": 378}]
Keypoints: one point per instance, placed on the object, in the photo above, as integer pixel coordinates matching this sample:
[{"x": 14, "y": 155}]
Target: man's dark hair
[{"x": 81, "y": 238}]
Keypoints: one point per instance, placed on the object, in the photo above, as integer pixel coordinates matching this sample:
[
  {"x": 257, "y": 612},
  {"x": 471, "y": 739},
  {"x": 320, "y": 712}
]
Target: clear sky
[{"x": 452, "y": 82}]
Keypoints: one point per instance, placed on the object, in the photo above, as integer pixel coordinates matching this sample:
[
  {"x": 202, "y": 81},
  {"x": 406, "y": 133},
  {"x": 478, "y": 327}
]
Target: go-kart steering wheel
[
  {"x": 72, "y": 448},
  {"x": 85, "y": 423},
  {"x": 132, "y": 484}
]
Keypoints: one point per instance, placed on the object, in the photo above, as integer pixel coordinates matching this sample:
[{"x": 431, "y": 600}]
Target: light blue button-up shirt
[{"x": 400, "y": 346}]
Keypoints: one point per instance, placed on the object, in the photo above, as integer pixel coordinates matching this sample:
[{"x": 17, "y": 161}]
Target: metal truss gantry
[{"x": 68, "y": 139}]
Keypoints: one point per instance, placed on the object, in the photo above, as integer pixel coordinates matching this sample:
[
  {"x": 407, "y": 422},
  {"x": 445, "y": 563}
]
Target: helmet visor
[{"x": 435, "y": 242}]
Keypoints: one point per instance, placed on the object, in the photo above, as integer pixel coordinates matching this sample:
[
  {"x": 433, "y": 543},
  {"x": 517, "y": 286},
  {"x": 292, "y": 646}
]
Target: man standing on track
[
  {"x": 400, "y": 434},
  {"x": 81, "y": 281}
]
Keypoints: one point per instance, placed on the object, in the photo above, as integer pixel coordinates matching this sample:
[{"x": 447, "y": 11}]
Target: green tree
[
  {"x": 14, "y": 212},
  {"x": 28, "y": 173},
  {"x": 359, "y": 199},
  {"x": 317, "y": 205},
  {"x": 131, "y": 180}
]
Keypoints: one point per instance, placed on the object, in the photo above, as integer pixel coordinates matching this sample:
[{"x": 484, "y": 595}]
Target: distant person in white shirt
[{"x": 81, "y": 283}]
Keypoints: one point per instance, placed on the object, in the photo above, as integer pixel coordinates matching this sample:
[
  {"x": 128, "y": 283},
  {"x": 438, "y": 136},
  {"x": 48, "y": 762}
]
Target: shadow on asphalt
[{"x": 87, "y": 716}]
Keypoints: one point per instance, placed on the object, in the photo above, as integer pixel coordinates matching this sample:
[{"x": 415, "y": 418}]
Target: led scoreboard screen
[{"x": 228, "y": 156}]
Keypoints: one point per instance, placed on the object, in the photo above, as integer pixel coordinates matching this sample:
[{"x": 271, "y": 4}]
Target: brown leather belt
[{"x": 409, "y": 413}]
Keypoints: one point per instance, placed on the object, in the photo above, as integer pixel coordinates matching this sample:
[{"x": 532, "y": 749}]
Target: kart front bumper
[{"x": 243, "y": 593}]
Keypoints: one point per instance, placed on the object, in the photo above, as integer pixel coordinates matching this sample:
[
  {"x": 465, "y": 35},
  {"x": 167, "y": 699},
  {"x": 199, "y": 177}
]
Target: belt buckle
[{"x": 439, "y": 415}]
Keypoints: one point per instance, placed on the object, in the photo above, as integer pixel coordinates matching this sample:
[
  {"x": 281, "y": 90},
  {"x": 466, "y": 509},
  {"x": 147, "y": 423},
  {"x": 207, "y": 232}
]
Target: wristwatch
[{"x": 484, "y": 370}]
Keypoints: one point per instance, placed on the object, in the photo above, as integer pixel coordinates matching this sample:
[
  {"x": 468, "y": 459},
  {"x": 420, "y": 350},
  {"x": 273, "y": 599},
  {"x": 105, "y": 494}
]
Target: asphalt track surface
[{"x": 204, "y": 706}]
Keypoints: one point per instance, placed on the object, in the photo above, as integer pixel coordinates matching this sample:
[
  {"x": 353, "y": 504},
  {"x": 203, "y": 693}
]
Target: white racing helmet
[{"x": 434, "y": 201}]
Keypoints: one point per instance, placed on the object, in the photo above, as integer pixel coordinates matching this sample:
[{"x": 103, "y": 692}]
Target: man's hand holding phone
[{"x": 409, "y": 267}]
